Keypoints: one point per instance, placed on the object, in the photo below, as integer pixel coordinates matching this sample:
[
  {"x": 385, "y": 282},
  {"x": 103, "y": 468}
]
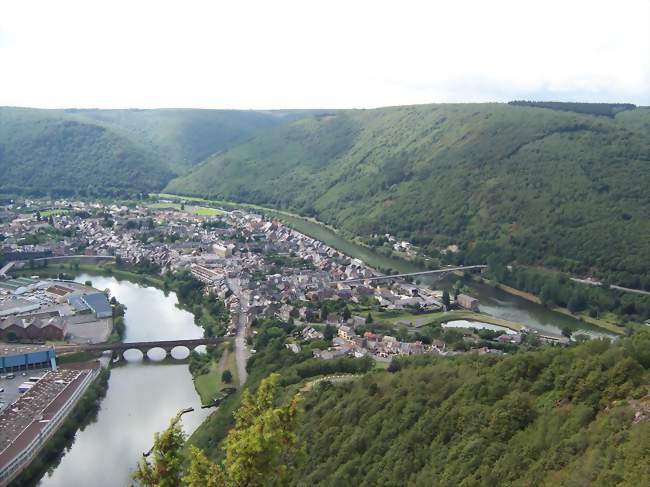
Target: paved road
[
  {"x": 241, "y": 351},
  {"x": 613, "y": 286}
]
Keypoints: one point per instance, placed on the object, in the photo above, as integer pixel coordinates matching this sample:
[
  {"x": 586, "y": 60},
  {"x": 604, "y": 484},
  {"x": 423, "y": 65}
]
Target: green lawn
[
  {"x": 54, "y": 212},
  {"x": 165, "y": 206},
  {"x": 208, "y": 385},
  {"x": 197, "y": 210},
  {"x": 205, "y": 211}
]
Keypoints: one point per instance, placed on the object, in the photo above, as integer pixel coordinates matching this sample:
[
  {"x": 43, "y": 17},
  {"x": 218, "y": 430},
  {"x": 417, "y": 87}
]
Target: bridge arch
[
  {"x": 132, "y": 355},
  {"x": 156, "y": 354},
  {"x": 180, "y": 352}
]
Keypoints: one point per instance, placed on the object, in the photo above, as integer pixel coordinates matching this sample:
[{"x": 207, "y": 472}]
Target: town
[{"x": 259, "y": 267}]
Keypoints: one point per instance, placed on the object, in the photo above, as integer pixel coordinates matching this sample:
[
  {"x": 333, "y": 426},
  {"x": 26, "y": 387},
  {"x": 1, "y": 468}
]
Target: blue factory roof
[{"x": 99, "y": 304}]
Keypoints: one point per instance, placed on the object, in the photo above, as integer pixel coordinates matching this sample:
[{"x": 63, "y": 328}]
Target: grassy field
[
  {"x": 208, "y": 385},
  {"x": 196, "y": 210},
  {"x": 54, "y": 212}
]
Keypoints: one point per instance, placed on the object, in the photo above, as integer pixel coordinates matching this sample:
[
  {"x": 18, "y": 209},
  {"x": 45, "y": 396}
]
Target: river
[
  {"x": 495, "y": 302},
  {"x": 142, "y": 397}
]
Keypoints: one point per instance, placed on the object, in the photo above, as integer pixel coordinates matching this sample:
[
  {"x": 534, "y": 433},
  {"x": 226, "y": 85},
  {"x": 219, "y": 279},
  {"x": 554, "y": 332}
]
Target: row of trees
[{"x": 556, "y": 289}]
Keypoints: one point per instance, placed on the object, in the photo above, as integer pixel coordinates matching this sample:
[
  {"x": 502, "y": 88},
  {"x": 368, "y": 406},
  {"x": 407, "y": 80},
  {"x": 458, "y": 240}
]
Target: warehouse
[
  {"x": 99, "y": 305},
  {"x": 24, "y": 357}
]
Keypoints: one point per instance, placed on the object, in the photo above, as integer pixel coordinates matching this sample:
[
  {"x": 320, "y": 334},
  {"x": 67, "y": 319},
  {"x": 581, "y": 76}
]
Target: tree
[
  {"x": 166, "y": 470},
  {"x": 260, "y": 449},
  {"x": 202, "y": 472},
  {"x": 393, "y": 366},
  {"x": 446, "y": 300},
  {"x": 323, "y": 312},
  {"x": 226, "y": 376},
  {"x": 566, "y": 331},
  {"x": 369, "y": 319},
  {"x": 254, "y": 459},
  {"x": 329, "y": 332},
  {"x": 346, "y": 313}
]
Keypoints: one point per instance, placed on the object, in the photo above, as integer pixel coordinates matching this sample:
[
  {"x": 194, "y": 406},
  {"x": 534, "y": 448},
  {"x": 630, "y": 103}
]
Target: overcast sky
[{"x": 326, "y": 54}]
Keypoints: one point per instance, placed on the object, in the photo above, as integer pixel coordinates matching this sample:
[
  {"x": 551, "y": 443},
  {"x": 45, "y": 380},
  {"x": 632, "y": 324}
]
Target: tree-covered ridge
[
  {"x": 43, "y": 153},
  {"x": 577, "y": 416},
  {"x": 105, "y": 152},
  {"x": 602, "y": 109},
  {"x": 185, "y": 137},
  {"x": 528, "y": 183}
]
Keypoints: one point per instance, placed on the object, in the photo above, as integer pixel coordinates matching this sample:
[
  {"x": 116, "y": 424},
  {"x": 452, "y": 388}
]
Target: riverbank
[
  {"x": 107, "y": 269},
  {"x": 83, "y": 413},
  {"x": 208, "y": 385},
  {"x": 319, "y": 231},
  {"x": 602, "y": 323},
  {"x": 330, "y": 236}
]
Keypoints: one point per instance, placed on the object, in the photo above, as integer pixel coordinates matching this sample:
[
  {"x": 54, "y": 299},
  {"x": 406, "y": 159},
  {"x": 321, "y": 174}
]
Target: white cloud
[{"x": 286, "y": 54}]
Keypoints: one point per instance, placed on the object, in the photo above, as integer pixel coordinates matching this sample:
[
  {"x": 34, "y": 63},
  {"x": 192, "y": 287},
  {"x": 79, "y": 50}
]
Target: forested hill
[
  {"x": 550, "y": 418},
  {"x": 534, "y": 184},
  {"x": 46, "y": 152},
  {"x": 99, "y": 152},
  {"x": 185, "y": 137}
]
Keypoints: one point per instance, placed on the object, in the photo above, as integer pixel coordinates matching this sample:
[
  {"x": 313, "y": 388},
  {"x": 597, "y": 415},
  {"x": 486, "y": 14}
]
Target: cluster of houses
[{"x": 258, "y": 266}]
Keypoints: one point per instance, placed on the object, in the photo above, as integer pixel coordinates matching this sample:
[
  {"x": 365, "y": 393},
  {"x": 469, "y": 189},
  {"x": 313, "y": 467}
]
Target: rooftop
[
  {"x": 7, "y": 349},
  {"x": 98, "y": 303}
]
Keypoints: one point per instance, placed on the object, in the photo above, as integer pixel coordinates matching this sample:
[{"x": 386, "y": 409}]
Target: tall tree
[
  {"x": 202, "y": 472},
  {"x": 263, "y": 446},
  {"x": 166, "y": 469}
]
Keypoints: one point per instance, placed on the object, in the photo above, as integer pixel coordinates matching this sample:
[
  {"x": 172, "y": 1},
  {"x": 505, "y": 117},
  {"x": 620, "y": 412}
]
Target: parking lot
[{"x": 10, "y": 386}]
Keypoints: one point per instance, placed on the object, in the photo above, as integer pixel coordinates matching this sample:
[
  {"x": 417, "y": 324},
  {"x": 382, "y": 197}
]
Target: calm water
[
  {"x": 493, "y": 301},
  {"x": 535, "y": 316},
  {"x": 141, "y": 398}
]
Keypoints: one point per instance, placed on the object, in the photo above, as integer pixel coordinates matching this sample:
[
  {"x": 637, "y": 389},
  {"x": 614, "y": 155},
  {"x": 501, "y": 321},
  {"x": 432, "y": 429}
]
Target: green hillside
[
  {"x": 551, "y": 416},
  {"x": 43, "y": 152},
  {"x": 543, "y": 186},
  {"x": 185, "y": 137},
  {"x": 548, "y": 418},
  {"x": 99, "y": 152}
]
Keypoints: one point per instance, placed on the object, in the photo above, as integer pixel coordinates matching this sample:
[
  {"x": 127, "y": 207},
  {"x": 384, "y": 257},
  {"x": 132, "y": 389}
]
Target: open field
[
  {"x": 208, "y": 385},
  {"x": 196, "y": 210}
]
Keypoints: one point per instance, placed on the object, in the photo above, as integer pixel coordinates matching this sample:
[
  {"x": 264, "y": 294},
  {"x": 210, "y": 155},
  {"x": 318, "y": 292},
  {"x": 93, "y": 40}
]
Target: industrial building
[
  {"x": 14, "y": 358},
  {"x": 98, "y": 303}
]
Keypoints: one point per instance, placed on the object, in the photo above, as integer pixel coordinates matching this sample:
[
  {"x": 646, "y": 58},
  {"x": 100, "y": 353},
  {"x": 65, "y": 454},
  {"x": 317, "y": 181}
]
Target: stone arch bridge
[{"x": 144, "y": 347}]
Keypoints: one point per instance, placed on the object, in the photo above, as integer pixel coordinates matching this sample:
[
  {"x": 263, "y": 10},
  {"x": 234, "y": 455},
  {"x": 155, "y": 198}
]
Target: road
[
  {"x": 411, "y": 274},
  {"x": 613, "y": 286},
  {"x": 241, "y": 351}
]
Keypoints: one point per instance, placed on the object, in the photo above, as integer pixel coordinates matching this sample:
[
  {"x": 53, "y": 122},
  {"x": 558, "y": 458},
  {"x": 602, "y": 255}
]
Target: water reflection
[{"x": 142, "y": 396}]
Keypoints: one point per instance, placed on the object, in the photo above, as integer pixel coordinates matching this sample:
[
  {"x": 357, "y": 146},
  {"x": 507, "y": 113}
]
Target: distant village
[{"x": 261, "y": 268}]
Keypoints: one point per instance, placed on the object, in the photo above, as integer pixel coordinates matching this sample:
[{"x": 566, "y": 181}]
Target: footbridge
[
  {"x": 444, "y": 270},
  {"x": 144, "y": 347}
]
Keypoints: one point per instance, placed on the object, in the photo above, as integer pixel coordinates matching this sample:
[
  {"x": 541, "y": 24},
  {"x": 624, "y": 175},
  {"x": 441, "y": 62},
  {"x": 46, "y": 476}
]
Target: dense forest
[
  {"x": 532, "y": 185},
  {"x": 554, "y": 416},
  {"x": 92, "y": 153},
  {"x": 577, "y": 416}
]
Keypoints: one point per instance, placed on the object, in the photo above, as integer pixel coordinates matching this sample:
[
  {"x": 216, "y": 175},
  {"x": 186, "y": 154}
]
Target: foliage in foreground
[
  {"x": 261, "y": 449},
  {"x": 576, "y": 416}
]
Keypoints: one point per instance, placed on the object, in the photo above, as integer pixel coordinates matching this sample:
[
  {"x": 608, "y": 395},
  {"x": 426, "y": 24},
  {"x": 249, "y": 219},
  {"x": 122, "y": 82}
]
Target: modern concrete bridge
[
  {"x": 144, "y": 347},
  {"x": 422, "y": 273}
]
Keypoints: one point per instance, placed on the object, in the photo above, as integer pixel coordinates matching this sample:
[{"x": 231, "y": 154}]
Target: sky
[{"x": 267, "y": 54}]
